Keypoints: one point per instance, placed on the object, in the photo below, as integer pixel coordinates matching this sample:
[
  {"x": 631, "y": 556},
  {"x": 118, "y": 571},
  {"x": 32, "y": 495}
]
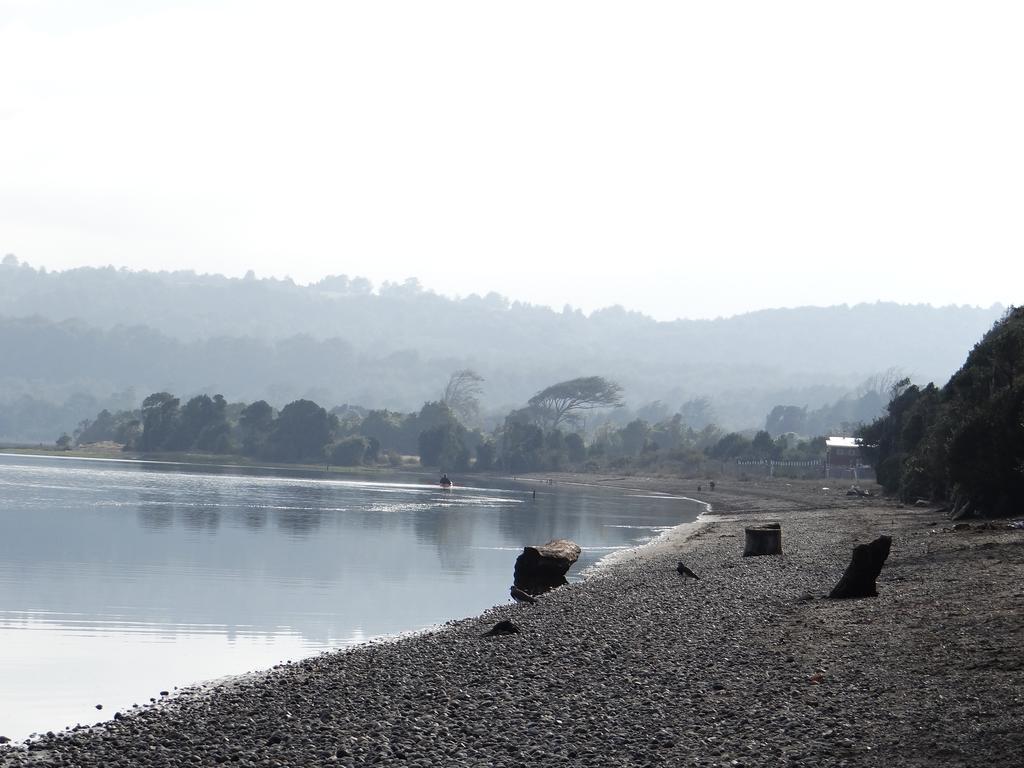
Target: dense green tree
[
  {"x": 986, "y": 453},
  {"x": 964, "y": 442},
  {"x": 575, "y": 448},
  {"x": 706, "y": 438},
  {"x": 372, "y": 453},
  {"x": 433, "y": 414},
  {"x": 391, "y": 429},
  {"x": 443, "y": 446},
  {"x": 633, "y": 437},
  {"x": 96, "y": 430},
  {"x": 890, "y": 442},
  {"x": 486, "y": 453},
  {"x": 522, "y": 446},
  {"x": 202, "y": 424},
  {"x": 350, "y": 418},
  {"x": 159, "y": 421},
  {"x": 731, "y": 446},
  {"x": 301, "y": 431},
  {"x": 350, "y": 452},
  {"x": 129, "y": 433},
  {"x": 671, "y": 433},
  {"x": 554, "y": 440},
  {"x": 762, "y": 446},
  {"x": 256, "y": 422}
]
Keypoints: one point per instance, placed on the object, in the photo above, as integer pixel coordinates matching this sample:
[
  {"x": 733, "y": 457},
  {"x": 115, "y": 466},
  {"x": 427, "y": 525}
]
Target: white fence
[{"x": 818, "y": 467}]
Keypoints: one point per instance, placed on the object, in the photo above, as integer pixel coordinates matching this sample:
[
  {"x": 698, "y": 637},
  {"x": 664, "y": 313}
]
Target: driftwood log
[
  {"x": 763, "y": 540},
  {"x": 864, "y": 567},
  {"x": 542, "y": 568}
]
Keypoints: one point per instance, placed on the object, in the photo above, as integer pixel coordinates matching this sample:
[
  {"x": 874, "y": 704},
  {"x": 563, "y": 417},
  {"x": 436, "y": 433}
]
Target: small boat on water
[{"x": 446, "y": 482}]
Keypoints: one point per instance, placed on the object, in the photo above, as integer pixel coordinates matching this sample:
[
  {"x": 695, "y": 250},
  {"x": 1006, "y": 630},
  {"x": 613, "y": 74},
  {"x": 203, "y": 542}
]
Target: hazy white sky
[{"x": 683, "y": 159}]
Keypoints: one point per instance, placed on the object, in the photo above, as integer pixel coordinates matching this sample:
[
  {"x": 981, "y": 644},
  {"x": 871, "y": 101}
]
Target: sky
[{"x": 682, "y": 159}]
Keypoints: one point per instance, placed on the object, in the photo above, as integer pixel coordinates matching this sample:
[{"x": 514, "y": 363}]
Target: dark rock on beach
[{"x": 542, "y": 568}]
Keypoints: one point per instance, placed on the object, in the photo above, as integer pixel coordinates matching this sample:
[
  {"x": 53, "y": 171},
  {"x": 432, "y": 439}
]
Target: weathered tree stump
[
  {"x": 864, "y": 567},
  {"x": 763, "y": 540},
  {"x": 542, "y": 568}
]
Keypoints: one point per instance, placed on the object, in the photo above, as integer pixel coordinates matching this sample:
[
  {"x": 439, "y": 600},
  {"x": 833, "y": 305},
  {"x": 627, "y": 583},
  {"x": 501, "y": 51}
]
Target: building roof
[{"x": 843, "y": 442}]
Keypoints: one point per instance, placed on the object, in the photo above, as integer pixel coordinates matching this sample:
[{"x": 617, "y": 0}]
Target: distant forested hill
[{"x": 92, "y": 333}]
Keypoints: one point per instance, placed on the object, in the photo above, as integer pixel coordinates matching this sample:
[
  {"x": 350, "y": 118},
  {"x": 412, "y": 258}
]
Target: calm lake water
[{"x": 121, "y": 579}]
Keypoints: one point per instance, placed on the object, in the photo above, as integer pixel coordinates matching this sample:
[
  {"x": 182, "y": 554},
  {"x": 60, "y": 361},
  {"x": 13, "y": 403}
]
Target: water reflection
[
  {"x": 124, "y": 566},
  {"x": 254, "y": 519},
  {"x": 155, "y": 516},
  {"x": 450, "y": 529},
  {"x": 201, "y": 518}
]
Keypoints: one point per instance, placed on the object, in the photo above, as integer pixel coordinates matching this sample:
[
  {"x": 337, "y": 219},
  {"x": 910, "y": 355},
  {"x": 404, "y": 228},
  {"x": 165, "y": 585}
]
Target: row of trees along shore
[
  {"x": 546, "y": 434},
  {"x": 962, "y": 442}
]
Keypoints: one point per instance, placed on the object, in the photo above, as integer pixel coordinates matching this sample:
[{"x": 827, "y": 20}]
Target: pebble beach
[{"x": 749, "y": 665}]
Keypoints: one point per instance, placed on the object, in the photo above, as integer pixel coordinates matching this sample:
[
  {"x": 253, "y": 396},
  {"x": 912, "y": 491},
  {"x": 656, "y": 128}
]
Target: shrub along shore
[{"x": 749, "y": 665}]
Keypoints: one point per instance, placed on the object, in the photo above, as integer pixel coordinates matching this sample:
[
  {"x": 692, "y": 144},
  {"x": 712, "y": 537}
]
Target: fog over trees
[{"x": 74, "y": 343}]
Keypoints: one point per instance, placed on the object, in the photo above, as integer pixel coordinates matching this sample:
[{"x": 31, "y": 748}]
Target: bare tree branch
[{"x": 462, "y": 394}]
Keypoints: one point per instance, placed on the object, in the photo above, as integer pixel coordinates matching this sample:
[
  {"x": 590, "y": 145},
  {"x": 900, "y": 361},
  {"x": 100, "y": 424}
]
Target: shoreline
[
  {"x": 211, "y": 461},
  {"x": 22, "y": 728},
  {"x": 631, "y": 666}
]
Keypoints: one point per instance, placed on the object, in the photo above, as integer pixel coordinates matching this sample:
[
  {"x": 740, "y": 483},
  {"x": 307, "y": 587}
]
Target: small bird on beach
[
  {"x": 520, "y": 596},
  {"x": 502, "y": 628},
  {"x": 686, "y": 573}
]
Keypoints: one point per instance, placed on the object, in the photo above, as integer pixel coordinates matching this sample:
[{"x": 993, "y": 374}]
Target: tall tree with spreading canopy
[{"x": 561, "y": 402}]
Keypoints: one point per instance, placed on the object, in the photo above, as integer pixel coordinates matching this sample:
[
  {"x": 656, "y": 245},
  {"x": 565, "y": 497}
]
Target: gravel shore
[{"x": 748, "y": 666}]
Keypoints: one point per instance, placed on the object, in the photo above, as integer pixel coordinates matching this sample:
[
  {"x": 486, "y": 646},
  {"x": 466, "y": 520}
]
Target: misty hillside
[{"x": 101, "y": 336}]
